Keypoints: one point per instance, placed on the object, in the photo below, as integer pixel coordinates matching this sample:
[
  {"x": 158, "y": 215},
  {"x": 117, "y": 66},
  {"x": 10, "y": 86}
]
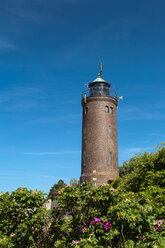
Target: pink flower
[
  {"x": 143, "y": 236},
  {"x": 136, "y": 197},
  {"x": 97, "y": 220},
  {"x": 112, "y": 189},
  {"x": 75, "y": 242},
  {"x": 156, "y": 227},
  {"x": 107, "y": 225},
  {"x": 57, "y": 192},
  {"x": 127, "y": 200},
  {"x": 92, "y": 222},
  {"x": 13, "y": 234},
  {"x": 137, "y": 236},
  {"x": 160, "y": 222},
  {"x": 83, "y": 229}
]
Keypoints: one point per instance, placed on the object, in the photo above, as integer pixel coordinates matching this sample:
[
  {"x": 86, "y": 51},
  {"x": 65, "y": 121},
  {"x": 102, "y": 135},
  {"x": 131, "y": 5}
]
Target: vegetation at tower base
[
  {"x": 128, "y": 213},
  {"x": 145, "y": 173},
  {"x": 74, "y": 182},
  {"x": 55, "y": 188}
]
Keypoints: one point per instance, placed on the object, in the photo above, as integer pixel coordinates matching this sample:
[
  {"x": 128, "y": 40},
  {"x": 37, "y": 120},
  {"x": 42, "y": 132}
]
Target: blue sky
[{"x": 49, "y": 50}]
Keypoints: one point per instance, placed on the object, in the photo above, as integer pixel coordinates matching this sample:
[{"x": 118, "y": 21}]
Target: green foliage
[
  {"x": 133, "y": 208},
  {"x": 127, "y": 167},
  {"x": 129, "y": 213},
  {"x": 23, "y": 219},
  {"x": 107, "y": 217},
  {"x": 55, "y": 188},
  {"x": 145, "y": 173}
]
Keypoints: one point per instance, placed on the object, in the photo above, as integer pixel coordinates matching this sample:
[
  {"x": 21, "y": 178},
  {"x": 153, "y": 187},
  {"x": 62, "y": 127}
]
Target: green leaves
[
  {"x": 128, "y": 213},
  {"x": 22, "y": 218},
  {"x": 143, "y": 171}
]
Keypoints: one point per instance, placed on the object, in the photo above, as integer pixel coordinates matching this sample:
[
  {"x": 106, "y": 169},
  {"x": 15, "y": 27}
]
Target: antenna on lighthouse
[{"x": 101, "y": 69}]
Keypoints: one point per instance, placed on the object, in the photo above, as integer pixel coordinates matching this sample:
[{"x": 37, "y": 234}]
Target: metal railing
[{"x": 112, "y": 93}]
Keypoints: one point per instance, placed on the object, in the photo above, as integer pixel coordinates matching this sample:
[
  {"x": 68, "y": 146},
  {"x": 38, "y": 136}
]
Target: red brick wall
[{"x": 96, "y": 144}]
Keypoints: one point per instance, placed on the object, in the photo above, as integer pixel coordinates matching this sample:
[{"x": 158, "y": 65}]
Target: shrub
[{"x": 23, "y": 219}]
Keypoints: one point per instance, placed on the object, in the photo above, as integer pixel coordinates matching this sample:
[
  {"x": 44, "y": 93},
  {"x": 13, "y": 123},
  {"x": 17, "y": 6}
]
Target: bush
[
  {"x": 129, "y": 213},
  {"x": 23, "y": 219},
  {"x": 107, "y": 217}
]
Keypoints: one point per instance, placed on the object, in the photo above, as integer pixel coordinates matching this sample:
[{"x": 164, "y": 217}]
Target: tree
[
  {"x": 127, "y": 167},
  {"x": 55, "y": 188},
  {"x": 144, "y": 172},
  {"x": 74, "y": 182}
]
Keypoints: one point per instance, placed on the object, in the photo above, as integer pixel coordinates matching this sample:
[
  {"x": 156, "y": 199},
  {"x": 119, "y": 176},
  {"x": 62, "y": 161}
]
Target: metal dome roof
[{"x": 99, "y": 79}]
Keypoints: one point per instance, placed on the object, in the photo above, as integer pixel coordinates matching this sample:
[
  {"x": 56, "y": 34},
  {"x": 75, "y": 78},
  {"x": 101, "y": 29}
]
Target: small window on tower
[
  {"x": 111, "y": 110},
  {"x": 84, "y": 132},
  {"x": 110, "y": 158},
  {"x": 109, "y": 132},
  {"x": 106, "y": 109}
]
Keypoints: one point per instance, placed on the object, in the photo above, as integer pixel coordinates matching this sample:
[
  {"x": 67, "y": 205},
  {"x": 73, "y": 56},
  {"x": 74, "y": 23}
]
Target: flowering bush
[
  {"x": 87, "y": 216},
  {"x": 129, "y": 213},
  {"x": 23, "y": 219},
  {"x": 107, "y": 217}
]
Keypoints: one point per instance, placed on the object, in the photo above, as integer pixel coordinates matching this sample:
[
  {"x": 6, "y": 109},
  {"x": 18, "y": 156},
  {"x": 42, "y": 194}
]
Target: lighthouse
[{"x": 99, "y": 158}]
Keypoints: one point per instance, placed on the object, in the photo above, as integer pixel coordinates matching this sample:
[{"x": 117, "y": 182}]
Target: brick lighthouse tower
[{"x": 99, "y": 159}]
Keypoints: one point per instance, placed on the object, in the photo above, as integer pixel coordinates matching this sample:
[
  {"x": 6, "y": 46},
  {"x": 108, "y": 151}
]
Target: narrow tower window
[
  {"x": 84, "y": 132},
  {"x": 110, "y": 158},
  {"x": 109, "y": 132},
  {"x": 111, "y": 110},
  {"x": 83, "y": 158},
  {"x": 106, "y": 109}
]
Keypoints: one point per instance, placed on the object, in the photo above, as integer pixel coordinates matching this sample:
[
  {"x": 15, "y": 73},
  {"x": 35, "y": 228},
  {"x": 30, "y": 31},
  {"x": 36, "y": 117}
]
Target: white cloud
[
  {"x": 142, "y": 112},
  {"x": 51, "y": 153},
  {"x": 21, "y": 98},
  {"x": 17, "y": 175},
  {"x": 72, "y": 118},
  {"x": 158, "y": 134},
  {"x": 133, "y": 150},
  {"x": 129, "y": 152},
  {"x": 6, "y": 44}
]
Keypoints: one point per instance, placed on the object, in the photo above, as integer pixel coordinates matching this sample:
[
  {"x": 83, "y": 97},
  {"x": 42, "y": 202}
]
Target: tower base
[{"x": 99, "y": 178}]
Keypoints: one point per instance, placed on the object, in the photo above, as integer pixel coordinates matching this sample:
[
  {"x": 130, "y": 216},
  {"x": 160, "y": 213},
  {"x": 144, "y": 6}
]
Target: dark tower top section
[{"x": 99, "y": 87}]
